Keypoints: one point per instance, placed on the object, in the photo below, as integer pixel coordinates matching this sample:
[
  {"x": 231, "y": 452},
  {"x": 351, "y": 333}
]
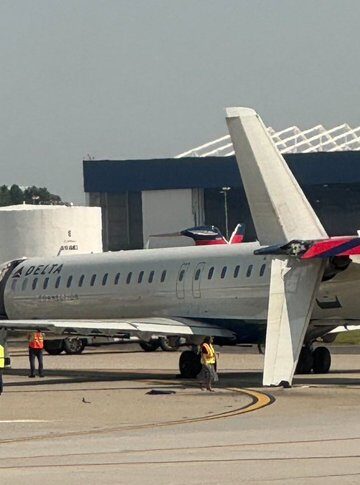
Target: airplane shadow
[{"x": 228, "y": 379}]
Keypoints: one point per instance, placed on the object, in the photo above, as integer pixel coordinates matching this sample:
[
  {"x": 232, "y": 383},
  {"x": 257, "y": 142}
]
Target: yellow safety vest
[
  {"x": 210, "y": 356},
  {"x": 2, "y": 356}
]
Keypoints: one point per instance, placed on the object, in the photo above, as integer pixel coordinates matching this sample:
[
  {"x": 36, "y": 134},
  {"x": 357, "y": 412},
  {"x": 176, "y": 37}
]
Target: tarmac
[{"x": 92, "y": 420}]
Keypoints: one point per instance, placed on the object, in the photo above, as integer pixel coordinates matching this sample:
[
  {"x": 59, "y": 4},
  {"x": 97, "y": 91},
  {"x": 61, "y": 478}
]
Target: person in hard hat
[
  {"x": 36, "y": 346},
  {"x": 208, "y": 373}
]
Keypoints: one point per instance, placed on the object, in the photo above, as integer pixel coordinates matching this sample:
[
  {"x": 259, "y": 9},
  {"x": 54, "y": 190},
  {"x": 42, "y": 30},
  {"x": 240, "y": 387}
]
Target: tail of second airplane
[
  {"x": 279, "y": 208},
  {"x": 237, "y": 237},
  {"x": 283, "y": 218}
]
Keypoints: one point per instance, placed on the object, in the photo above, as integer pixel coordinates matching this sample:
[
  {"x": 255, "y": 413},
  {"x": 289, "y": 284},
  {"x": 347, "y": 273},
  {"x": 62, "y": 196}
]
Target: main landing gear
[
  {"x": 189, "y": 364},
  {"x": 317, "y": 360}
]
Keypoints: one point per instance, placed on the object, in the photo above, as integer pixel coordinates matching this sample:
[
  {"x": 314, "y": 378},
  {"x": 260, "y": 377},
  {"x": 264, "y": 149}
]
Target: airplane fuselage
[{"x": 215, "y": 282}]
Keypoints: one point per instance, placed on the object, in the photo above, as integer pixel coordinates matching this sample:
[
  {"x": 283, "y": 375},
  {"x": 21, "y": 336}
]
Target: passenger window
[
  {"x": 81, "y": 280},
  {"x": 262, "y": 270},
  {"x": 163, "y": 276},
  {"x": 68, "y": 284},
  {"x": 57, "y": 282},
  {"x": 104, "y": 280},
  {"x": 128, "y": 279},
  {"x": 13, "y": 284},
  {"x": 236, "y": 271},
  {"x": 223, "y": 272},
  {"x": 92, "y": 281},
  {"x": 46, "y": 282},
  {"x": 141, "y": 274},
  {"x": 34, "y": 283},
  {"x": 117, "y": 279},
  {"x": 211, "y": 272},
  {"x": 197, "y": 274},
  {"x": 181, "y": 275},
  {"x": 151, "y": 276},
  {"x": 24, "y": 284},
  {"x": 249, "y": 270}
]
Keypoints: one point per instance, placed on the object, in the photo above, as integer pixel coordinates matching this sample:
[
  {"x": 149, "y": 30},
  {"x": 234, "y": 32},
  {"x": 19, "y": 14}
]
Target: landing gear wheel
[
  {"x": 305, "y": 362},
  {"x": 322, "y": 360},
  {"x": 189, "y": 364},
  {"x": 150, "y": 346},
  {"x": 74, "y": 345},
  {"x": 53, "y": 347},
  {"x": 165, "y": 345}
]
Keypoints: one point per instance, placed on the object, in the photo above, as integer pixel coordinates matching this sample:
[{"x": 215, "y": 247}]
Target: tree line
[{"x": 30, "y": 195}]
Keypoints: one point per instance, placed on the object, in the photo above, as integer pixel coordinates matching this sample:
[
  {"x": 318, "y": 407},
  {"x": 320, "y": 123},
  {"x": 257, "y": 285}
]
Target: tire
[
  {"x": 165, "y": 345},
  {"x": 305, "y": 362},
  {"x": 73, "y": 345},
  {"x": 53, "y": 347},
  {"x": 322, "y": 360},
  {"x": 189, "y": 364},
  {"x": 150, "y": 346}
]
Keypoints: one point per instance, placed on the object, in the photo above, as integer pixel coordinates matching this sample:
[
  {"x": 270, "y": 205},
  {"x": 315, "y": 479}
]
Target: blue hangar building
[{"x": 140, "y": 198}]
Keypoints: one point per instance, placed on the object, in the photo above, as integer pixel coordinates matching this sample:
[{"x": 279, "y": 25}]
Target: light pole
[{"x": 225, "y": 190}]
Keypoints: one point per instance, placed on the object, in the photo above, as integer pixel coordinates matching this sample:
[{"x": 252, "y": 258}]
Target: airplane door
[
  {"x": 196, "y": 282},
  {"x": 180, "y": 281}
]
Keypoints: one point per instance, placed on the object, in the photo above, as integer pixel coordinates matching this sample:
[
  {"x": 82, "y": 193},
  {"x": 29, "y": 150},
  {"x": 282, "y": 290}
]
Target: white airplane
[{"x": 296, "y": 283}]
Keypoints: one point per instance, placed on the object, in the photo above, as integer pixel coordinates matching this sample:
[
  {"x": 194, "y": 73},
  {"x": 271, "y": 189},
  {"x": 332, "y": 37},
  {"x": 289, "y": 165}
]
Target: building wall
[
  {"x": 175, "y": 194},
  {"x": 167, "y": 211},
  {"x": 122, "y": 219}
]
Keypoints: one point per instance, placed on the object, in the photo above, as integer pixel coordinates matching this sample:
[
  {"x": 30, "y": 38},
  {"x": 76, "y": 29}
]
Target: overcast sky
[{"x": 150, "y": 78}]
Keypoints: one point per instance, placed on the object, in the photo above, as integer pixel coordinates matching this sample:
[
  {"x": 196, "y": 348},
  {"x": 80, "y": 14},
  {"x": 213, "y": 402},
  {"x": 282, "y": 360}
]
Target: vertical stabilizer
[{"x": 279, "y": 208}]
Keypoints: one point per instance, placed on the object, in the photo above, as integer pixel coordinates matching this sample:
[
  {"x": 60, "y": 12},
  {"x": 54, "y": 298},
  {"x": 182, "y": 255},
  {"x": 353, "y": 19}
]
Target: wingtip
[{"x": 234, "y": 112}]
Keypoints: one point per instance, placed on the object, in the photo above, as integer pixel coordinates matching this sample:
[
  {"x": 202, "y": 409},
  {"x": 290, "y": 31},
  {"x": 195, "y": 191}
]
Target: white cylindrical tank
[{"x": 48, "y": 230}]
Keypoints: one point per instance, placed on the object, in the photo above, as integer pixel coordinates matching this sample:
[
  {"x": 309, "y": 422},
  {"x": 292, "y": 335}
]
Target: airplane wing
[{"x": 141, "y": 327}]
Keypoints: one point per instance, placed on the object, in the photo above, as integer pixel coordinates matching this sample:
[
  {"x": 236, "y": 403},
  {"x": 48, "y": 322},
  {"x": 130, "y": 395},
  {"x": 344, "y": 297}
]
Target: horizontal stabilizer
[
  {"x": 279, "y": 208},
  {"x": 325, "y": 248},
  {"x": 204, "y": 235}
]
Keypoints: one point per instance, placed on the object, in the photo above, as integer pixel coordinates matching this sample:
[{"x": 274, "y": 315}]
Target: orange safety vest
[
  {"x": 209, "y": 357},
  {"x": 36, "y": 340}
]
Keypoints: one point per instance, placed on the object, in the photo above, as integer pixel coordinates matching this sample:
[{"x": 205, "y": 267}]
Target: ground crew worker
[
  {"x": 36, "y": 345},
  {"x": 2, "y": 365},
  {"x": 208, "y": 373},
  {"x": 3, "y": 359}
]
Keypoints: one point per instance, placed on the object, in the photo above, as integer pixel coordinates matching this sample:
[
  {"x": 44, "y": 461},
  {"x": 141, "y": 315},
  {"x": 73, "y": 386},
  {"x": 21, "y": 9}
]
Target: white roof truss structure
[{"x": 290, "y": 140}]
